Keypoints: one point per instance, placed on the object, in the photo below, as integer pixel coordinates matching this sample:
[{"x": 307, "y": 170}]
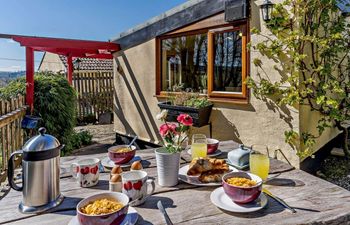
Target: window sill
[{"x": 233, "y": 101}]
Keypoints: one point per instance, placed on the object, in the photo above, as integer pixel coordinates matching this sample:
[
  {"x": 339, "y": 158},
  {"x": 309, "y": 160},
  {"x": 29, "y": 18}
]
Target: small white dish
[
  {"x": 216, "y": 153},
  {"x": 130, "y": 218},
  {"x": 237, "y": 166},
  {"x": 221, "y": 200},
  {"x": 194, "y": 179},
  {"x": 109, "y": 164}
]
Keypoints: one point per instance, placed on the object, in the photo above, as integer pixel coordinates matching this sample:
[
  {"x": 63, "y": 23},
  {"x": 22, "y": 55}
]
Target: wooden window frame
[
  {"x": 211, "y": 58},
  {"x": 215, "y": 96}
]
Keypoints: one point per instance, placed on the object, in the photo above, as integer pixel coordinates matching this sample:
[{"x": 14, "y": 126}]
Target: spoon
[{"x": 132, "y": 141}]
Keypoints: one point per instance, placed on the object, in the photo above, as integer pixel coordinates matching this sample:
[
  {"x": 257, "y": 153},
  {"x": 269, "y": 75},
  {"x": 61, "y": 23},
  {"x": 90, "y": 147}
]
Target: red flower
[
  {"x": 185, "y": 119},
  {"x": 167, "y": 128}
]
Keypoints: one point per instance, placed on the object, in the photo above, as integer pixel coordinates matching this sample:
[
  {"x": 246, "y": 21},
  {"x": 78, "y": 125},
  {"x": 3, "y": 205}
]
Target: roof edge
[{"x": 180, "y": 16}]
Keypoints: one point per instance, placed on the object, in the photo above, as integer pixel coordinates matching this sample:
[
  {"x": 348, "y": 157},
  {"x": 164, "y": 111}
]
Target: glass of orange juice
[
  {"x": 199, "y": 146},
  {"x": 259, "y": 161}
]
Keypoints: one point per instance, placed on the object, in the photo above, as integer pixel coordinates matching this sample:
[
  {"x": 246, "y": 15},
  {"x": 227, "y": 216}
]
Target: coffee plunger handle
[
  {"x": 11, "y": 171},
  {"x": 42, "y": 130}
]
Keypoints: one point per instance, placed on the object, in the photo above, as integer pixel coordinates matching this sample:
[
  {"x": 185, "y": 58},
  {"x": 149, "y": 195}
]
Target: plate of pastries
[{"x": 205, "y": 171}]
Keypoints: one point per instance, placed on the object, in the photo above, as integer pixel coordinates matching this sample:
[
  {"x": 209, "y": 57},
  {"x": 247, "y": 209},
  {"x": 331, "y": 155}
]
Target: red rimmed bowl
[
  {"x": 113, "y": 218},
  {"x": 121, "y": 157},
  {"x": 212, "y": 145},
  {"x": 242, "y": 194}
]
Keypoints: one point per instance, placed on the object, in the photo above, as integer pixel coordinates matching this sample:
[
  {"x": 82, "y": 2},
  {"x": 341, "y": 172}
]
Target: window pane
[
  {"x": 184, "y": 63},
  {"x": 228, "y": 62}
]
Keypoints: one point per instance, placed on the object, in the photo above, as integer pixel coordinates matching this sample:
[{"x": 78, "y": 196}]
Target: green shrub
[
  {"x": 81, "y": 138},
  {"x": 190, "y": 100},
  {"x": 54, "y": 102}
]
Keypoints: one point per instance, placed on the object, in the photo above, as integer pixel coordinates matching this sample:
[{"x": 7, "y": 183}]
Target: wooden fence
[
  {"x": 95, "y": 92},
  {"x": 11, "y": 134}
]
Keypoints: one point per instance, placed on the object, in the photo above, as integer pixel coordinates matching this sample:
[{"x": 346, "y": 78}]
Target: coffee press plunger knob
[{"x": 42, "y": 130}]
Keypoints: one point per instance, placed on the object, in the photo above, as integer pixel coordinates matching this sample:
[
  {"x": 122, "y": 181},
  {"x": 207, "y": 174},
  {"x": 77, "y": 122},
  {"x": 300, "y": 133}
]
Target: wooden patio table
[{"x": 316, "y": 201}]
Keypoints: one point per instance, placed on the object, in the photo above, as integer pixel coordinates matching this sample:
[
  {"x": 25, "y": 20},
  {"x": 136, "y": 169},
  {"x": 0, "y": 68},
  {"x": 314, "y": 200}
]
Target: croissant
[{"x": 200, "y": 165}]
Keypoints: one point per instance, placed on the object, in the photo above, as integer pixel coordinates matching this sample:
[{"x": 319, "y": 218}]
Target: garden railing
[
  {"x": 95, "y": 92},
  {"x": 11, "y": 134}
]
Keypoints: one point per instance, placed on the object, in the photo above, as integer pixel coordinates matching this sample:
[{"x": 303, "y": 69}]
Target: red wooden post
[
  {"x": 70, "y": 69},
  {"x": 30, "y": 78}
]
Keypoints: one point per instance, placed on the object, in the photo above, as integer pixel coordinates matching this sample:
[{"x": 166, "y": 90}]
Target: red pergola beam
[
  {"x": 30, "y": 78},
  {"x": 65, "y": 43},
  {"x": 68, "y": 47},
  {"x": 70, "y": 69},
  {"x": 66, "y": 50},
  {"x": 99, "y": 56}
]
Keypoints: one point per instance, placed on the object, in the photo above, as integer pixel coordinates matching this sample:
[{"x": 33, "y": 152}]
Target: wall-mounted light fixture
[
  {"x": 266, "y": 10},
  {"x": 76, "y": 63}
]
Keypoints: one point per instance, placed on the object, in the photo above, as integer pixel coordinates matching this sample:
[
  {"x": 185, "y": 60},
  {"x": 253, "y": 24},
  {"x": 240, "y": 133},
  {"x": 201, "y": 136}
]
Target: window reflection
[
  {"x": 184, "y": 63},
  {"x": 228, "y": 62}
]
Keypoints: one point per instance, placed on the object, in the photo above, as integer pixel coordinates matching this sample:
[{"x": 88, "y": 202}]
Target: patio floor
[{"x": 103, "y": 138}]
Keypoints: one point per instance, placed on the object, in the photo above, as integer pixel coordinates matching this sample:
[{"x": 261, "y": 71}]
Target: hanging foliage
[{"x": 310, "y": 45}]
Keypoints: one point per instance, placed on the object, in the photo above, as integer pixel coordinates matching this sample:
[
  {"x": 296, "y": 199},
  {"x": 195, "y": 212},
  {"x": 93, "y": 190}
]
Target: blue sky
[{"x": 78, "y": 19}]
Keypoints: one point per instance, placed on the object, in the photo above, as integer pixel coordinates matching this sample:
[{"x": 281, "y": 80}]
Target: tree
[{"x": 310, "y": 45}]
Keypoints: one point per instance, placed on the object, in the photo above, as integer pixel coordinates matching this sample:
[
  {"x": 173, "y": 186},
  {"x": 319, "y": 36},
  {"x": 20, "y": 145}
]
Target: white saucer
[
  {"x": 237, "y": 166},
  {"x": 131, "y": 218},
  {"x": 216, "y": 153},
  {"x": 109, "y": 164},
  {"x": 194, "y": 179},
  {"x": 221, "y": 200}
]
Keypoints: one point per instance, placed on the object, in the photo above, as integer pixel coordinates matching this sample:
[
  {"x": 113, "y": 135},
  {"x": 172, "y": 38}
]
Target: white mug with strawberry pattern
[
  {"x": 86, "y": 172},
  {"x": 135, "y": 186}
]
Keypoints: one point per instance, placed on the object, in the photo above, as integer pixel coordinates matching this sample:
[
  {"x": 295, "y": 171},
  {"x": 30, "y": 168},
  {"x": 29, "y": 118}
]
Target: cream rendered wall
[
  {"x": 51, "y": 62},
  {"x": 136, "y": 107},
  {"x": 259, "y": 122}
]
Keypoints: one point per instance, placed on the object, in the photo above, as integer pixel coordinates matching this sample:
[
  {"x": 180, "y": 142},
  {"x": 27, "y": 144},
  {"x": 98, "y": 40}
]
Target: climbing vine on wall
[{"x": 310, "y": 46}]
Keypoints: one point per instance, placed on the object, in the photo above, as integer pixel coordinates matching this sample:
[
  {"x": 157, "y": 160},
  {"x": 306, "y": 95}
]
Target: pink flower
[
  {"x": 167, "y": 128},
  {"x": 185, "y": 119}
]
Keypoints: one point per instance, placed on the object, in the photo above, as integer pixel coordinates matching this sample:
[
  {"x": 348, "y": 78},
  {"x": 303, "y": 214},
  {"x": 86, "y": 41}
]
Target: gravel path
[{"x": 103, "y": 138}]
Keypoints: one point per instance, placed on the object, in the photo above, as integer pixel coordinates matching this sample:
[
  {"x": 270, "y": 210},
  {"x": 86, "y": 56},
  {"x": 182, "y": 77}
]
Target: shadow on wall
[
  {"x": 146, "y": 116},
  {"x": 282, "y": 69},
  {"x": 255, "y": 22},
  {"x": 118, "y": 110},
  {"x": 282, "y": 110},
  {"x": 224, "y": 128}
]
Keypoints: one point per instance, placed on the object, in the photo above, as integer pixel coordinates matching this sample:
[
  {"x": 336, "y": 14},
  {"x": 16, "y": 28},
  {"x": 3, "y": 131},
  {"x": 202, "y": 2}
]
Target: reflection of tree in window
[
  {"x": 184, "y": 63},
  {"x": 228, "y": 62}
]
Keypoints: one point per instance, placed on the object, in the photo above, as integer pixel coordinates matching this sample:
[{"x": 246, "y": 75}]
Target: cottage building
[
  {"x": 194, "y": 46},
  {"x": 58, "y": 63}
]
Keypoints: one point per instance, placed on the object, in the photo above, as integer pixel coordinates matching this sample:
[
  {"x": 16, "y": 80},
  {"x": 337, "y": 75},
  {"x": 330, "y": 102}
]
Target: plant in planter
[
  {"x": 198, "y": 107},
  {"x": 168, "y": 157}
]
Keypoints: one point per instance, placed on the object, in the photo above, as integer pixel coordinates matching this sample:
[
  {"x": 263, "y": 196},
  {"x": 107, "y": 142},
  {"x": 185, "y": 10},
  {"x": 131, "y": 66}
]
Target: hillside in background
[{"x": 6, "y": 77}]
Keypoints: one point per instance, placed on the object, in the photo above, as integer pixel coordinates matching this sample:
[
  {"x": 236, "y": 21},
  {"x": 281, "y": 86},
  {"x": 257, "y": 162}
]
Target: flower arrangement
[{"x": 174, "y": 134}]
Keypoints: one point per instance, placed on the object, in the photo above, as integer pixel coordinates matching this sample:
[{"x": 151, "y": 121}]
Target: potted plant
[
  {"x": 168, "y": 157},
  {"x": 198, "y": 107}
]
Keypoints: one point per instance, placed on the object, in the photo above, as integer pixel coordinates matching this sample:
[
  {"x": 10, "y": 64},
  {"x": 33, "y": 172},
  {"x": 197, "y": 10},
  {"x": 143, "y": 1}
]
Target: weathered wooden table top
[{"x": 317, "y": 201}]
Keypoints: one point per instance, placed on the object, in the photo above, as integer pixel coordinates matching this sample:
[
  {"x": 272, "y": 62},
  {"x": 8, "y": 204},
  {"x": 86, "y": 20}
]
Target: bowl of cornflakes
[
  {"x": 242, "y": 187},
  {"x": 105, "y": 208},
  {"x": 121, "y": 154}
]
